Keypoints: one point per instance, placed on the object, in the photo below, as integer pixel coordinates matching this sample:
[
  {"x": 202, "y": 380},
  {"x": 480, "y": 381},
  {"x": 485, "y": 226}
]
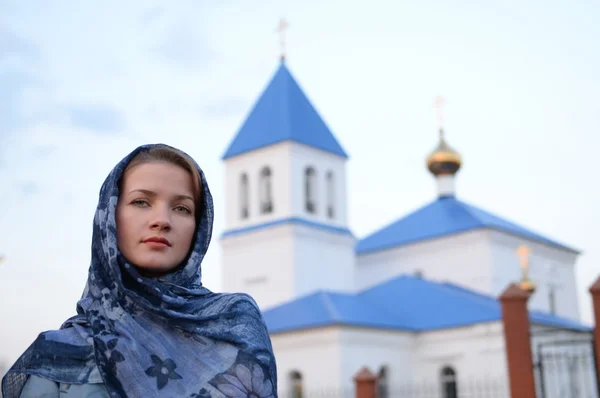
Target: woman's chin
[{"x": 154, "y": 270}]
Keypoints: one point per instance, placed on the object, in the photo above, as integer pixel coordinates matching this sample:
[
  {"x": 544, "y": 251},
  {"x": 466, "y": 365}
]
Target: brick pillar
[
  {"x": 366, "y": 384},
  {"x": 515, "y": 318},
  {"x": 595, "y": 290}
]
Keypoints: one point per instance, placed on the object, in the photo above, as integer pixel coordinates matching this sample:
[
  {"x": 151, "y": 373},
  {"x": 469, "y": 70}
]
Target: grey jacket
[{"x": 38, "y": 387}]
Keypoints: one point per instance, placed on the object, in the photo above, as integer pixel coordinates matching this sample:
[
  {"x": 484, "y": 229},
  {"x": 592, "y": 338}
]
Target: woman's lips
[{"x": 157, "y": 242}]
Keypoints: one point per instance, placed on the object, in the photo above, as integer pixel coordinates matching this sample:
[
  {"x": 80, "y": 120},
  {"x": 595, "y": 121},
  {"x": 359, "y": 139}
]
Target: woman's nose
[{"x": 161, "y": 218}]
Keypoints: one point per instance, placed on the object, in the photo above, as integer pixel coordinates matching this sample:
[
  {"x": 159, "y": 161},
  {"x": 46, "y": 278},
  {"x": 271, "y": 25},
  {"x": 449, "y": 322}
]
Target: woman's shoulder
[
  {"x": 237, "y": 302},
  {"x": 239, "y": 306},
  {"x": 240, "y": 298},
  {"x": 39, "y": 387}
]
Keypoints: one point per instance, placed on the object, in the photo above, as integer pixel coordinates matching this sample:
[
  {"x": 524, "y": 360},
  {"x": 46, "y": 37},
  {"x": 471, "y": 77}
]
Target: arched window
[
  {"x": 296, "y": 385},
  {"x": 449, "y": 387},
  {"x": 244, "y": 196},
  {"x": 310, "y": 190},
  {"x": 330, "y": 182},
  {"x": 266, "y": 191},
  {"x": 383, "y": 383}
]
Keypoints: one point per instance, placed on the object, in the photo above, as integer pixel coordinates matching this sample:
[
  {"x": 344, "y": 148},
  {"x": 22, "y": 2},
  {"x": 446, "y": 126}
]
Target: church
[{"x": 415, "y": 302}]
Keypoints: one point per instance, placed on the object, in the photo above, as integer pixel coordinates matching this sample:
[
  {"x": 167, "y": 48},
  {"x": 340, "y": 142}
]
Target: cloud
[
  {"x": 15, "y": 112},
  {"x": 12, "y": 44},
  {"x": 12, "y": 83},
  {"x": 153, "y": 14},
  {"x": 43, "y": 151},
  {"x": 185, "y": 47},
  {"x": 225, "y": 108},
  {"x": 28, "y": 97},
  {"x": 20, "y": 63},
  {"x": 98, "y": 118},
  {"x": 27, "y": 188},
  {"x": 179, "y": 35}
]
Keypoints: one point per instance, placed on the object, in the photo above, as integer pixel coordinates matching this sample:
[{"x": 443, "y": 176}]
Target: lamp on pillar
[
  {"x": 517, "y": 340},
  {"x": 526, "y": 283}
]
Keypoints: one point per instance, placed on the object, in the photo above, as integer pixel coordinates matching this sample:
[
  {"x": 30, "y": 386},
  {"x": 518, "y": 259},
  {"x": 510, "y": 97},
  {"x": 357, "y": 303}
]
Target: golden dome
[{"x": 444, "y": 159}]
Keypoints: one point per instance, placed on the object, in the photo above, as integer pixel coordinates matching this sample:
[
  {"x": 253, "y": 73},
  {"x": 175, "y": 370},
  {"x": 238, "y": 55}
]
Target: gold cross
[
  {"x": 526, "y": 284},
  {"x": 283, "y": 25},
  {"x": 523, "y": 252}
]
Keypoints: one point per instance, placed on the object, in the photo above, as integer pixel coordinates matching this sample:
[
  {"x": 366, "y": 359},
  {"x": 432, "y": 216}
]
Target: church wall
[
  {"x": 281, "y": 262},
  {"x": 277, "y": 158},
  {"x": 260, "y": 263},
  {"x": 323, "y": 260},
  {"x": 550, "y": 268},
  {"x": 328, "y": 358},
  {"x": 464, "y": 349},
  {"x": 315, "y": 354},
  {"x": 287, "y": 162},
  {"x": 323, "y": 162},
  {"x": 464, "y": 259},
  {"x": 375, "y": 349}
]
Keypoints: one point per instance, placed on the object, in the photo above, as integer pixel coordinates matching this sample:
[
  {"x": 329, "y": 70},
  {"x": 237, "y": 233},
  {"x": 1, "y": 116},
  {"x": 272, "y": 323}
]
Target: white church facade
[{"x": 416, "y": 301}]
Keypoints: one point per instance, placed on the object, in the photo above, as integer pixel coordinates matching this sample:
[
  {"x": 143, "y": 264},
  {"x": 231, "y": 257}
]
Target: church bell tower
[{"x": 286, "y": 231}]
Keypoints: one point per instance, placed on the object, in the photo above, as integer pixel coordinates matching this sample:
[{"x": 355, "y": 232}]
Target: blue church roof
[
  {"x": 405, "y": 303},
  {"x": 442, "y": 217},
  {"x": 283, "y": 113}
]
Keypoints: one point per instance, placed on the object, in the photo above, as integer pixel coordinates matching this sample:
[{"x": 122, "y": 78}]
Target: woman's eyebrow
[
  {"x": 152, "y": 193},
  {"x": 144, "y": 191},
  {"x": 179, "y": 197}
]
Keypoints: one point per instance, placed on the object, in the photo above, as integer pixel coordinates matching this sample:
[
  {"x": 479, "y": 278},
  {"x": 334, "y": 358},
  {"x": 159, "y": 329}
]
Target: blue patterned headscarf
[{"x": 153, "y": 337}]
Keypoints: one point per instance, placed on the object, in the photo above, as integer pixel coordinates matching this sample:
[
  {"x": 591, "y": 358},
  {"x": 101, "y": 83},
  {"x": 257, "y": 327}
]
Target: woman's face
[{"x": 156, "y": 217}]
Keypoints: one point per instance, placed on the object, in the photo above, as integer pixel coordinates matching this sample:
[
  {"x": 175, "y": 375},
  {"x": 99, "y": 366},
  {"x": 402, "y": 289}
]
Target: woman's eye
[
  {"x": 183, "y": 209},
  {"x": 139, "y": 203}
]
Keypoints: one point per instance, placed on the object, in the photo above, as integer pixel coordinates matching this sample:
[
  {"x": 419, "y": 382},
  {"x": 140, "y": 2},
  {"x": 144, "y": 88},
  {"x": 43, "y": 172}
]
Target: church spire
[
  {"x": 268, "y": 122},
  {"x": 444, "y": 162}
]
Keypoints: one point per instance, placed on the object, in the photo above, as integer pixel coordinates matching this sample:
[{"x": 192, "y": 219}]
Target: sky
[{"x": 83, "y": 83}]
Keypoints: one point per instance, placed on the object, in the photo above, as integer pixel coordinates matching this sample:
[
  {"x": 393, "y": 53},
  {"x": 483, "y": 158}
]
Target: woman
[{"x": 146, "y": 327}]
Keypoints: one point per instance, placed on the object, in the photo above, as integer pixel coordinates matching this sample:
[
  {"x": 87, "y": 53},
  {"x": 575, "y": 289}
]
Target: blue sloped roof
[
  {"x": 323, "y": 309},
  {"x": 283, "y": 113},
  {"x": 288, "y": 220},
  {"x": 405, "y": 303},
  {"x": 444, "y": 216}
]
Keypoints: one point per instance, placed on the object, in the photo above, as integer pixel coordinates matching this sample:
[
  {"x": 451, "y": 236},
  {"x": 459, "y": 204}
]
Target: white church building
[{"x": 415, "y": 302}]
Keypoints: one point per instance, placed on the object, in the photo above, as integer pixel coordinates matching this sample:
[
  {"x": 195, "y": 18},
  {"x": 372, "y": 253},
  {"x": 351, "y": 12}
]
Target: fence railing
[
  {"x": 319, "y": 393},
  {"x": 566, "y": 369},
  {"x": 463, "y": 388}
]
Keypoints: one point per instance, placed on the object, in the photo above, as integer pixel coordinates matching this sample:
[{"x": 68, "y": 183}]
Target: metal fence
[
  {"x": 319, "y": 393},
  {"x": 566, "y": 369},
  {"x": 463, "y": 388}
]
